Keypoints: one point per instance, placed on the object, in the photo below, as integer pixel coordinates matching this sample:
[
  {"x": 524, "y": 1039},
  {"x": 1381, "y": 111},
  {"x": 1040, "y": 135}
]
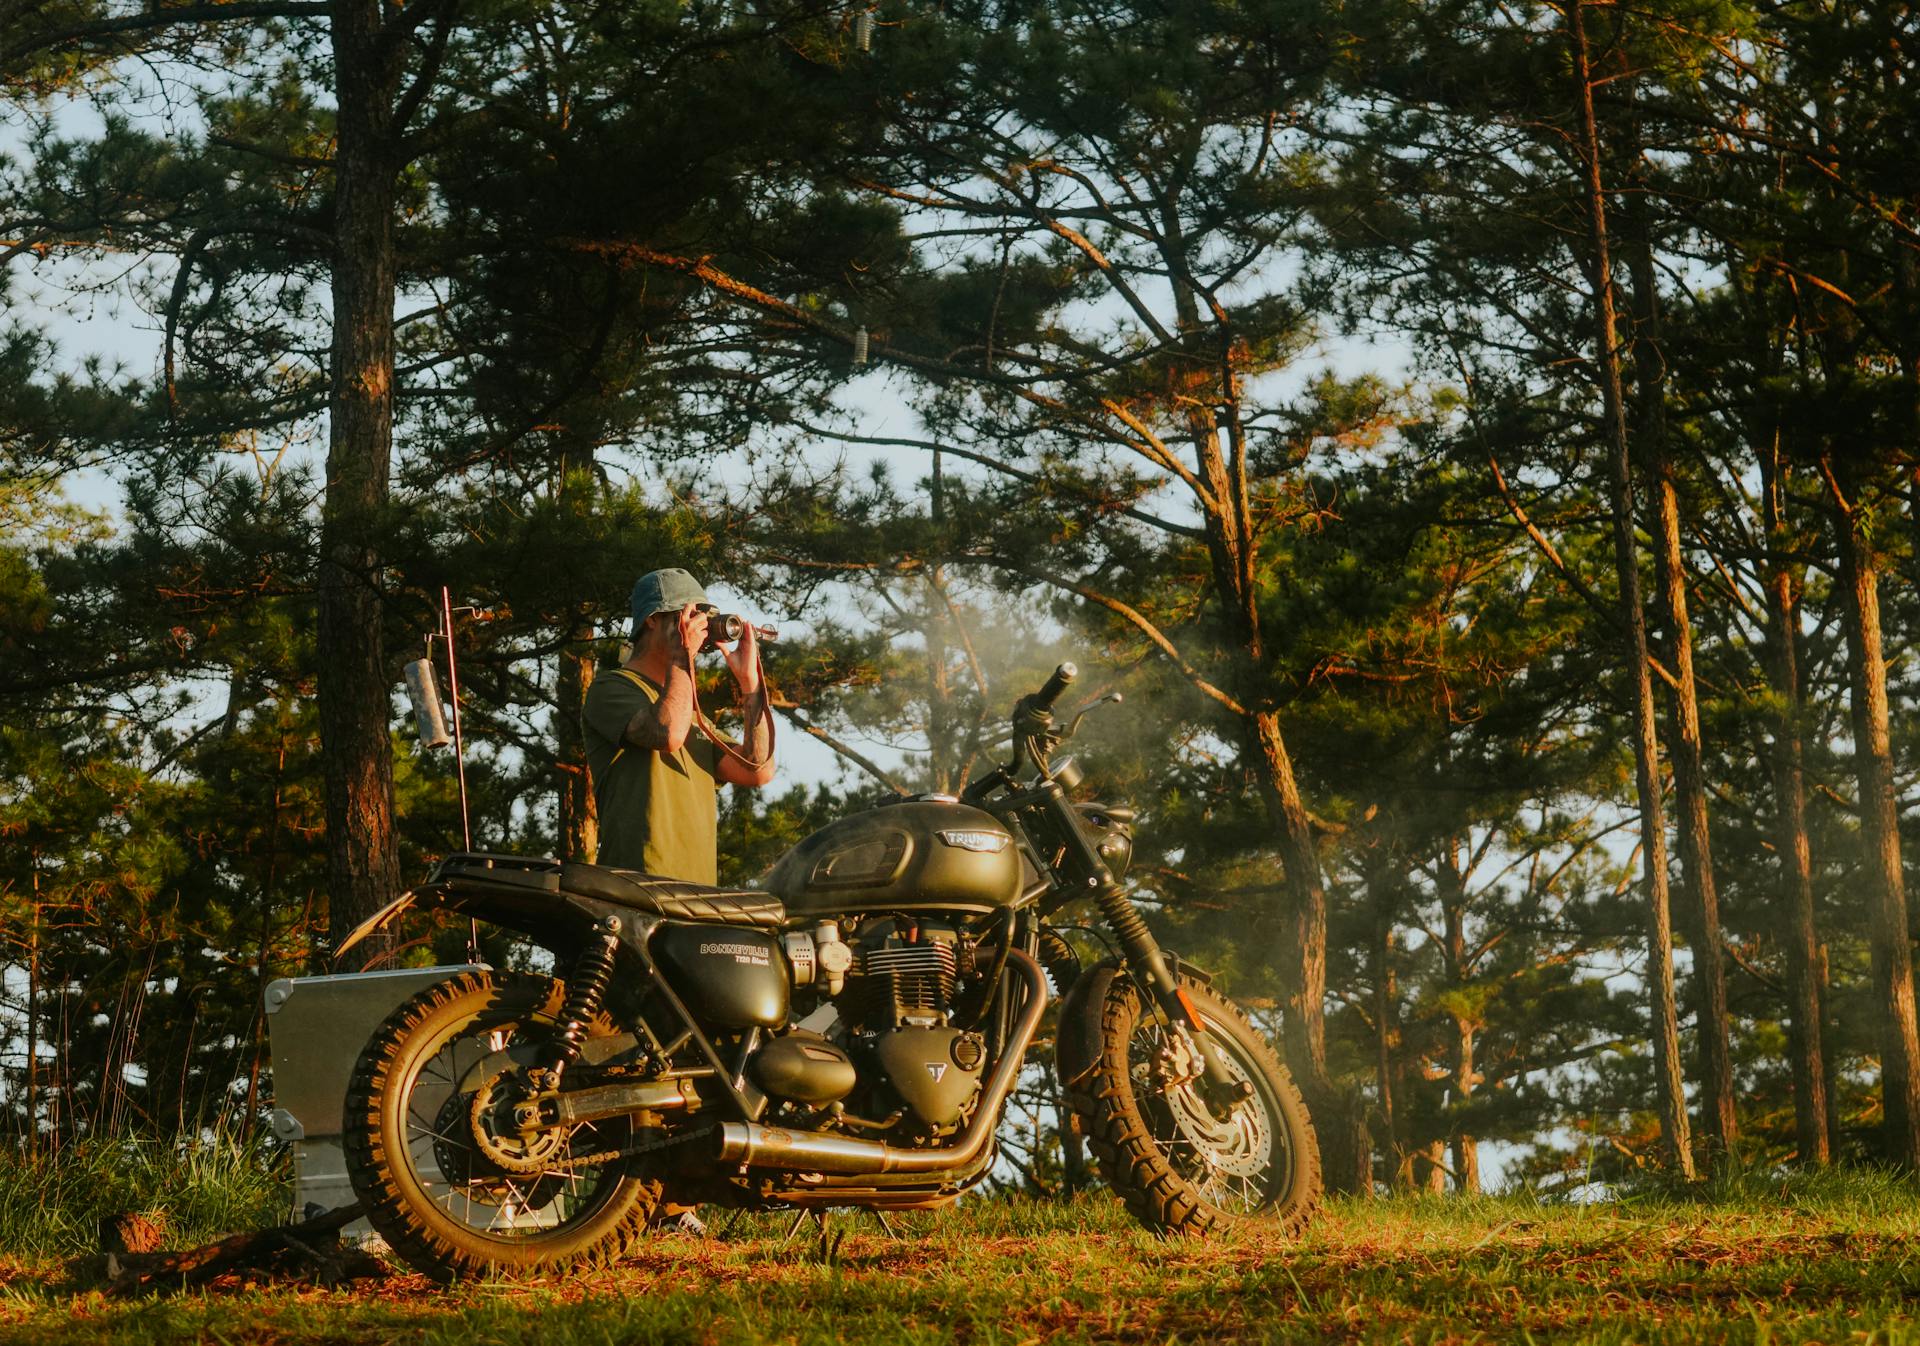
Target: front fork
[{"x": 1147, "y": 962}]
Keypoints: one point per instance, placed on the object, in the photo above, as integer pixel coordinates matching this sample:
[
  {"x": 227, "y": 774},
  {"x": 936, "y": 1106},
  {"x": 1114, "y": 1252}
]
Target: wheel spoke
[
  {"x": 462, "y": 1184},
  {"x": 1240, "y": 1163}
]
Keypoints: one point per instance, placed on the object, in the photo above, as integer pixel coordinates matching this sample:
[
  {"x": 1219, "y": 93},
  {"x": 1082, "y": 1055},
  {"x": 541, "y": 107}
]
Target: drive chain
[{"x": 610, "y": 1156}]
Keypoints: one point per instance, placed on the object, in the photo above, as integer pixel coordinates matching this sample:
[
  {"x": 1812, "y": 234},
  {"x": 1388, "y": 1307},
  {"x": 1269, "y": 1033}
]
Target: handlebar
[
  {"x": 1049, "y": 693},
  {"x": 1032, "y": 723}
]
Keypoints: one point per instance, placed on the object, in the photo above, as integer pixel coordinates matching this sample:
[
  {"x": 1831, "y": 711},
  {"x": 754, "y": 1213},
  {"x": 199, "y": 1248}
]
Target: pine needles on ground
[{"x": 1750, "y": 1258}]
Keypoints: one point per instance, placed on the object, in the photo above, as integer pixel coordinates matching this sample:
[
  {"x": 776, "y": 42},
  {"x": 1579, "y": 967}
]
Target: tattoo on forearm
[
  {"x": 654, "y": 727},
  {"x": 758, "y": 741},
  {"x": 644, "y": 730}
]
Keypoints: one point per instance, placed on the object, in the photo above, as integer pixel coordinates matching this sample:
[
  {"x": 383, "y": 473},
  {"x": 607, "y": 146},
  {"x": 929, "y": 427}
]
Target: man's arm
[
  {"x": 662, "y": 725},
  {"x": 744, "y": 660},
  {"x": 758, "y": 745}
]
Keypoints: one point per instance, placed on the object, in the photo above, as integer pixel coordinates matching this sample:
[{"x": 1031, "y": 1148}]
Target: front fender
[{"x": 1077, "y": 1038}]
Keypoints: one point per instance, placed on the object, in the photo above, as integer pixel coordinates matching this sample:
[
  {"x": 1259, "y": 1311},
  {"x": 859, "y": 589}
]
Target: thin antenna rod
[
  {"x": 453, "y": 695},
  {"x": 459, "y": 752}
]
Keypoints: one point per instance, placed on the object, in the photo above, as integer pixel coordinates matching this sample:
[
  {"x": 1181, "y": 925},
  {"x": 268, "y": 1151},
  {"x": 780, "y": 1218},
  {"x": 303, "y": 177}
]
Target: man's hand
[
  {"x": 744, "y": 659},
  {"x": 690, "y": 633}
]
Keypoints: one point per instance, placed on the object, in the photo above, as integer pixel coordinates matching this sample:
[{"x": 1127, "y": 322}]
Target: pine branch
[{"x": 154, "y": 20}]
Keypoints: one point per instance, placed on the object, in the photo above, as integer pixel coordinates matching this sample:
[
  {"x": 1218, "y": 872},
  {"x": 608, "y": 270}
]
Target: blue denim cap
[{"x": 663, "y": 591}]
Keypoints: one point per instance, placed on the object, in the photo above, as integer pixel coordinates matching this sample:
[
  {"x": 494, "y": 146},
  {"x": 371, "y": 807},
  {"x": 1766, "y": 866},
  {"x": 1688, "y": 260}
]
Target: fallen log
[{"x": 308, "y": 1250}]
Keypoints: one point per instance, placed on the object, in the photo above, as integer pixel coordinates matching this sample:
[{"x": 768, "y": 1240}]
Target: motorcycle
[{"x": 845, "y": 1034}]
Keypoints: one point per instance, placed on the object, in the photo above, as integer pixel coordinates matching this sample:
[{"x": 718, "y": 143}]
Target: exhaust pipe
[{"x": 754, "y": 1146}]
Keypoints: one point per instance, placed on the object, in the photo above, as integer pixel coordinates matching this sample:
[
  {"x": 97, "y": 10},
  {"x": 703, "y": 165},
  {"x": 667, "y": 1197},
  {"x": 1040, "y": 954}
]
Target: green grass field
[{"x": 1828, "y": 1260}]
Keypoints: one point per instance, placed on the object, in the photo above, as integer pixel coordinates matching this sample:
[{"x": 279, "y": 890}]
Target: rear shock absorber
[{"x": 587, "y": 985}]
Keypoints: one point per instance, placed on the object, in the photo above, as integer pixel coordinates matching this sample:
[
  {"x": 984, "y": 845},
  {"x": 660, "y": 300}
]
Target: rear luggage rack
[{"x": 510, "y": 871}]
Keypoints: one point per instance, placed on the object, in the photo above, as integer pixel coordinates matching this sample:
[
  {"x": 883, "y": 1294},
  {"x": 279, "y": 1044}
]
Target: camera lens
[{"x": 723, "y": 629}]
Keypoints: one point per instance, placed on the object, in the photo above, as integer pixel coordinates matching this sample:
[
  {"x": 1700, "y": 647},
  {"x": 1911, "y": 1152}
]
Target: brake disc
[{"x": 1237, "y": 1144}]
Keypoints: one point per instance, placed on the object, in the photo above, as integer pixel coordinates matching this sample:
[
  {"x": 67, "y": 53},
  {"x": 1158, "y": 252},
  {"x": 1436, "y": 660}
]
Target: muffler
[{"x": 754, "y": 1146}]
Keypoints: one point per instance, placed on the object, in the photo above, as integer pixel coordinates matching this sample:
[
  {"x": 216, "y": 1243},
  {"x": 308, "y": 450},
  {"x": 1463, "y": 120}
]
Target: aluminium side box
[{"x": 316, "y": 1027}]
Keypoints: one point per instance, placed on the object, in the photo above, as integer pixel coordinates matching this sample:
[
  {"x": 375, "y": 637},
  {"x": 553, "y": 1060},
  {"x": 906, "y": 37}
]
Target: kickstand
[
  {"x": 801, "y": 1217},
  {"x": 828, "y": 1248},
  {"x": 830, "y": 1238}
]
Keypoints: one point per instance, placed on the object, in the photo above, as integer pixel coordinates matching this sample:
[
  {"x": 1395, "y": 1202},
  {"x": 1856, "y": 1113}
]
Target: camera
[{"x": 723, "y": 628}]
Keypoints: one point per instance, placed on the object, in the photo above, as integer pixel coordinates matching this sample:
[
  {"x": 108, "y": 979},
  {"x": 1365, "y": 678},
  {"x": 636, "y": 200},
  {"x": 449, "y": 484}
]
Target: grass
[
  {"x": 51, "y": 1205},
  {"x": 1828, "y": 1259}
]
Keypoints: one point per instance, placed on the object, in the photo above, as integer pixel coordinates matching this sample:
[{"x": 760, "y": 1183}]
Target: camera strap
[{"x": 707, "y": 726}]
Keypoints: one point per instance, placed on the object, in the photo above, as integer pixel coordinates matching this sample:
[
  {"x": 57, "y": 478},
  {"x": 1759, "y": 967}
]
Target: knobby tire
[
  {"x": 1118, "y": 1132},
  {"x": 443, "y": 1248}
]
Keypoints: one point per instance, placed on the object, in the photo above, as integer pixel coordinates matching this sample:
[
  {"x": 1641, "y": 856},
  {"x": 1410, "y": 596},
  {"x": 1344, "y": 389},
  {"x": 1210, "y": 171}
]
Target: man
[{"x": 655, "y": 774}]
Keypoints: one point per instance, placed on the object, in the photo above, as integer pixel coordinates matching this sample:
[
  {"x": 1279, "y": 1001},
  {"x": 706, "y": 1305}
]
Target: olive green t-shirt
[{"x": 658, "y": 811}]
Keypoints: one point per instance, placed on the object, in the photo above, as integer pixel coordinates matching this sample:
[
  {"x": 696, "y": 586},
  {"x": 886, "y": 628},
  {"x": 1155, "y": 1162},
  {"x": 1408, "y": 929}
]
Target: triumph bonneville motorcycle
[{"x": 846, "y": 1034}]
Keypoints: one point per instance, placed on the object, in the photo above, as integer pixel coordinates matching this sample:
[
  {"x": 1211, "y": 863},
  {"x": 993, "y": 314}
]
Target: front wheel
[
  {"x": 1181, "y": 1166},
  {"x": 445, "y": 1176}
]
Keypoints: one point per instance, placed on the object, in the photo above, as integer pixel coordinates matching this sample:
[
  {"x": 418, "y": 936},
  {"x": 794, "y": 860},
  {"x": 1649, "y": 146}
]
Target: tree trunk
[
  {"x": 1798, "y": 932},
  {"x": 1341, "y": 1125},
  {"x": 1829, "y": 1055},
  {"x": 1671, "y": 1100},
  {"x": 1700, "y": 893},
  {"x": 355, "y": 684},
  {"x": 579, "y": 817},
  {"x": 1385, "y": 1027},
  {"x": 33, "y": 1023},
  {"x": 943, "y": 746},
  {"x": 1466, "y": 1165},
  {"x": 1879, "y": 827},
  {"x": 1466, "y": 1148},
  {"x": 1453, "y": 901},
  {"x": 1432, "y": 1175}
]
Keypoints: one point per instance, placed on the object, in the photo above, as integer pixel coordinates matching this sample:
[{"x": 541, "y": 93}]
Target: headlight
[{"x": 1112, "y": 830}]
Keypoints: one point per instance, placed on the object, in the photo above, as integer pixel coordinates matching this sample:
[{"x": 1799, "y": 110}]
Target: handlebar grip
[{"x": 1050, "y": 692}]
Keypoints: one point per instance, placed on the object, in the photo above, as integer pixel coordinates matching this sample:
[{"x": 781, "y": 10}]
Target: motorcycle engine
[
  {"x": 881, "y": 1048},
  {"x": 899, "y": 1003}
]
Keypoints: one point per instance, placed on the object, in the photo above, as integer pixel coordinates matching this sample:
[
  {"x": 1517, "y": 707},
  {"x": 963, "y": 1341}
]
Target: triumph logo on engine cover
[
  {"x": 937, "y": 1069},
  {"x": 740, "y": 953}
]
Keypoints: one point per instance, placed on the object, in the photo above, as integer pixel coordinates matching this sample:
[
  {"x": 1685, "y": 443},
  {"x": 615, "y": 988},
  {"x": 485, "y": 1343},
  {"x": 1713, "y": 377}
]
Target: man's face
[{"x": 662, "y": 630}]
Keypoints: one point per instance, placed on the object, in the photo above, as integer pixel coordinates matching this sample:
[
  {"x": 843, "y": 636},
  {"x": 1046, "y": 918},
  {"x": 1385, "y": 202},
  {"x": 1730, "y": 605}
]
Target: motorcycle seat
[{"x": 672, "y": 898}]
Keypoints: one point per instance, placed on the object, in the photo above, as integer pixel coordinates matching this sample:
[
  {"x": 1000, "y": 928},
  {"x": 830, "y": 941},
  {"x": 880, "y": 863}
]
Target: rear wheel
[
  {"x": 446, "y": 1177},
  {"x": 1181, "y": 1166}
]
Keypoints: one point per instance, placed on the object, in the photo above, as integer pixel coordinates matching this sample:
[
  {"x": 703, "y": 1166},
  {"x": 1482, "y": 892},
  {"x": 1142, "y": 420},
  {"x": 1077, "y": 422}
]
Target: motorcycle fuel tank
[
  {"x": 927, "y": 854},
  {"x": 730, "y": 977}
]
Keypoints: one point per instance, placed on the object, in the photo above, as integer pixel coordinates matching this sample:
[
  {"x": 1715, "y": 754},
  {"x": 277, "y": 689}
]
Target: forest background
[{"x": 1525, "y": 725}]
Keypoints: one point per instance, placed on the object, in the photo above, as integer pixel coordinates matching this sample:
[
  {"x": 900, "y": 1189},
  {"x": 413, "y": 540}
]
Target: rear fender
[{"x": 559, "y": 922}]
